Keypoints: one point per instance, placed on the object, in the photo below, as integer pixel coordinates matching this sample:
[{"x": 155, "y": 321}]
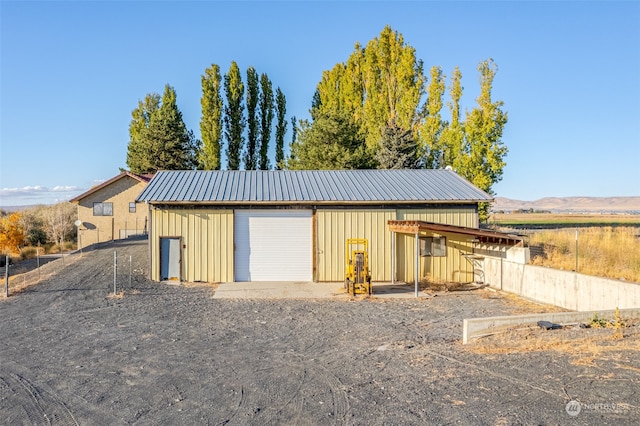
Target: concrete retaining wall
[
  {"x": 566, "y": 289},
  {"x": 477, "y": 327}
]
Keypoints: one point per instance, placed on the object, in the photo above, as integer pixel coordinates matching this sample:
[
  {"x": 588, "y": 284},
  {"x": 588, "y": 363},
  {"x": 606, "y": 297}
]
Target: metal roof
[{"x": 274, "y": 187}]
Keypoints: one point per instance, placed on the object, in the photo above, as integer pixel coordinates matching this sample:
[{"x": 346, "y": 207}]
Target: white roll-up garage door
[{"x": 273, "y": 245}]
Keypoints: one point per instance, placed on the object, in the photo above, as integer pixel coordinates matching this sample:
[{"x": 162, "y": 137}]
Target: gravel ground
[{"x": 171, "y": 354}]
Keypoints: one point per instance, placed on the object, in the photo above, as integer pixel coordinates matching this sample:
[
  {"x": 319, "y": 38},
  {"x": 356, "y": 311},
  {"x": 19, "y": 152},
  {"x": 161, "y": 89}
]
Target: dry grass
[
  {"x": 586, "y": 346},
  {"x": 554, "y": 219},
  {"x": 518, "y": 304},
  {"x": 612, "y": 252},
  {"x": 118, "y": 295}
]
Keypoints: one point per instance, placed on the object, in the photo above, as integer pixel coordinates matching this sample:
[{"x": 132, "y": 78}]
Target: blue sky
[{"x": 72, "y": 72}]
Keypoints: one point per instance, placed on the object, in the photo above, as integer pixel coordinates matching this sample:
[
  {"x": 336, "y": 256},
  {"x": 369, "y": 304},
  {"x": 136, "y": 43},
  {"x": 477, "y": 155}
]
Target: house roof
[
  {"x": 271, "y": 187},
  {"x": 141, "y": 178}
]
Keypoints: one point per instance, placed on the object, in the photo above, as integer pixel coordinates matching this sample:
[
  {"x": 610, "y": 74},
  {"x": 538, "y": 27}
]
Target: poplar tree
[
  {"x": 484, "y": 160},
  {"x": 253, "y": 91},
  {"x": 266, "y": 119},
  {"x": 452, "y": 138},
  {"x": 281, "y": 123},
  {"x": 234, "y": 120},
  {"x": 430, "y": 129},
  {"x": 211, "y": 120},
  {"x": 393, "y": 82},
  {"x": 378, "y": 83}
]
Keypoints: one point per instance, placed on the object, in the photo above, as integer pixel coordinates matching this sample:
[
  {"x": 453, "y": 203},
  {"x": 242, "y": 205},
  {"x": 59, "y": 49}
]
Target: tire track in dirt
[
  {"x": 307, "y": 391},
  {"x": 39, "y": 406}
]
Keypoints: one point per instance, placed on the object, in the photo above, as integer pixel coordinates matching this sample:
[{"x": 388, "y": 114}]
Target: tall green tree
[
  {"x": 211, "y": 120},
  {"x": 266, "y": 120},
  {"x": 234, "y": 119},
  {"x": 393, "y": 82},
  {"x": 165, "y": 143},
  {"x": 378, "y": 83},
  {"x": 398, "y": 149},
  {"x": 139, "y": 148},
  {"x": 332, "y": 142},
  {"x": 484, "y": 163},
  {"x": 452, "y": 138},
  {"x": 281, "y": 123},
  {"x": 253, "y": 124},
  {"x": 483, "y": 129},
  {"x": 432, "y": 125}
]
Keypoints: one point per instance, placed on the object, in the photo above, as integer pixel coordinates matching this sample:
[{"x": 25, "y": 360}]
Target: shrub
[{"x": 28, "y": 253}]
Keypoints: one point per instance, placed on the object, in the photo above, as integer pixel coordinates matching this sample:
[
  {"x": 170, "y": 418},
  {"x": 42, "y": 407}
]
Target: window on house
[
  {"x": 132, "y": 207},
  {"x": 433, "y": 246},
  {"x": 103, "y": 209}
]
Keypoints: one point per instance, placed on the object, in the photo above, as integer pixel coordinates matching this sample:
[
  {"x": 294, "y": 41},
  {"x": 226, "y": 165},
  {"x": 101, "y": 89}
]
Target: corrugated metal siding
[
  {"x": 207, "y": 238},
  {"x": 310, "y": 186},
  {"x": 453, "y": 267},
  {"x": 458, "y": 215},
  {"x": 334, "y": 227}
]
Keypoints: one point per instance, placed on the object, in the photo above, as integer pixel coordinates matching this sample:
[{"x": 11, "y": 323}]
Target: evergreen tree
[
  {"x": 211, "y": 121},
  {"x": 234, "y": 120},
  {"x": 398, "y": 149},
  {"x": 266, "y": 119},
  {"x": 139, "y": 148},
  {"x": 281, "y": 124},
  {"x": 164, "y": 143},
  {"x": 253, "y": 91},
  {"x": 332, "y": 142}
]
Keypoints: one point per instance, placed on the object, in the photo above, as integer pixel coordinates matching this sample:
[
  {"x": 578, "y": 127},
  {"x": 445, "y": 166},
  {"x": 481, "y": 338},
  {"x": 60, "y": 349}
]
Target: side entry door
[{"x": 170, "y": 258}]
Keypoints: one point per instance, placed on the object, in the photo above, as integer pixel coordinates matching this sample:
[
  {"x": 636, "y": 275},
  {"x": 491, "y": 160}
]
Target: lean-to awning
[
  {"x": 417, "y": 228},
  {"x": 482, "y": 235}
]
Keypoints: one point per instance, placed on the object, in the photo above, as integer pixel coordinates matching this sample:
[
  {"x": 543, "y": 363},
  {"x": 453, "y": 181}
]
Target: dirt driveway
[{"x": 172, "y": 354}]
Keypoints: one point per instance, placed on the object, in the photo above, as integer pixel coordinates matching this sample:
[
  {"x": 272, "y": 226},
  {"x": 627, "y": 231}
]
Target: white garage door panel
[{"x": 273, "y": 245}]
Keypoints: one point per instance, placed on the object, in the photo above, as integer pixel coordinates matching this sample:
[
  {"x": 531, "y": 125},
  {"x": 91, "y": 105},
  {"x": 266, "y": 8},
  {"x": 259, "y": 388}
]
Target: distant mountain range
[
  {"x": 572, "y": 204},
  {"x": 552, "y": 204}
]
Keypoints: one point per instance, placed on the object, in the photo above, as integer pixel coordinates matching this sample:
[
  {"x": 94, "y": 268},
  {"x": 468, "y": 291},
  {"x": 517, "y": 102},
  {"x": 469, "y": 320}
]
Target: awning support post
[
  {"x": 417, "y": 264},
  {"x": 393, "y": 258}
]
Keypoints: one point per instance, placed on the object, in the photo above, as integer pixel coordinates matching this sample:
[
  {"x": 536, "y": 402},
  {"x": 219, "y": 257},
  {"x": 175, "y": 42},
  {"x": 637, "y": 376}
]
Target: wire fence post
[
  {"x": 115, "y": 270},
  {"x": 6, "y": 276},
  {"x": 38, "y": 262},
  {"x": 576, "y": 250},
  {"x": 129, "y": 272}
]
